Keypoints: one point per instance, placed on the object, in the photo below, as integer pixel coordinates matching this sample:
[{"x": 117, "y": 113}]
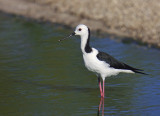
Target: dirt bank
[{"x": 137, "y": 19}]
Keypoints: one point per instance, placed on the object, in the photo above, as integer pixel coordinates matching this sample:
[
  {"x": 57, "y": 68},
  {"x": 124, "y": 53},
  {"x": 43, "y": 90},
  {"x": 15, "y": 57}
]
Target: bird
[{"x": 101, "y": 63}]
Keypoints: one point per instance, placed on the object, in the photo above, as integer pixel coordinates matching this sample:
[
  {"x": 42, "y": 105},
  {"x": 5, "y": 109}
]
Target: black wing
[{"x": 115, "y": 63}]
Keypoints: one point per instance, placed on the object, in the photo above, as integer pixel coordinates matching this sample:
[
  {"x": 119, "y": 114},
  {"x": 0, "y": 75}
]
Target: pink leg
[
  {"x": 103, "y": 107},
  {"x": 103, "y": 87},
  {"x": 100, "y": 87},
  {"x": 101, "y": 104}
]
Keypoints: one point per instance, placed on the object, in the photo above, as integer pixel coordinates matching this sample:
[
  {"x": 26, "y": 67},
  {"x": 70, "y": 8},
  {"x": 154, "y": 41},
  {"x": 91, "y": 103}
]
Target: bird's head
[{"x": 80, "y": 30}]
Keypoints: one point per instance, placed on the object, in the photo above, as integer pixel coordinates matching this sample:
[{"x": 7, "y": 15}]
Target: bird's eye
[{"x": 79, "y": 29}]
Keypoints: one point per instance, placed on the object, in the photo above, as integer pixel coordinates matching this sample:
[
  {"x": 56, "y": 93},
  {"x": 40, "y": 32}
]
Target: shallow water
[{"x": 41, "y": 77}]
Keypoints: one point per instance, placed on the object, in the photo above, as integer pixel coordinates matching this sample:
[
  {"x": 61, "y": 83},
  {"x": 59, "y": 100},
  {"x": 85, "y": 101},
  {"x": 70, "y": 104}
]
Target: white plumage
[
  {"x": 98, "y": 62},
  {"x": 101, "y": 68}
]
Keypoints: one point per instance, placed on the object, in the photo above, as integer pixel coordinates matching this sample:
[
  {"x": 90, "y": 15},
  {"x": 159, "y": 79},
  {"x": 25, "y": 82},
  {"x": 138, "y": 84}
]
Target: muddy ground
[{"x": 136, "y": 19}]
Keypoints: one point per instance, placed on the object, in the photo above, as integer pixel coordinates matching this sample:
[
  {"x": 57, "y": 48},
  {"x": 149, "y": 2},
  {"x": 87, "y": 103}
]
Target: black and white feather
[
  {"x": 98, "y": 62},
  {"x": 101, "y": 63},
  {"x": 115, "y": 63}
]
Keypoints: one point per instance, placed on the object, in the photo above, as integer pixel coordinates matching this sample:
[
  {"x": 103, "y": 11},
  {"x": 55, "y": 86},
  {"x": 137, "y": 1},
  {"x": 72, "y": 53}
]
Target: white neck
[{"x": 84, "y": 39}]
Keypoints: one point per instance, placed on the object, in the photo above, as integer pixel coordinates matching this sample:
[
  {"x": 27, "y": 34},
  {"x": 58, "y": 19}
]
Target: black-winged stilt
[{"x": 99, "y": 62}]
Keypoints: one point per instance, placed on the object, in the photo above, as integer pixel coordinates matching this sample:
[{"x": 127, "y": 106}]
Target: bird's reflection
[{"x": 101, "y": 104}]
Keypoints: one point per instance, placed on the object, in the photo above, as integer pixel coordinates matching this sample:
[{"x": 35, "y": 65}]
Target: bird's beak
[{"x": 72, "y": 34}]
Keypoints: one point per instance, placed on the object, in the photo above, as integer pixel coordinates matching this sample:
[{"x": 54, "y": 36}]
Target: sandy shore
[{"x": 136, "y": 19}]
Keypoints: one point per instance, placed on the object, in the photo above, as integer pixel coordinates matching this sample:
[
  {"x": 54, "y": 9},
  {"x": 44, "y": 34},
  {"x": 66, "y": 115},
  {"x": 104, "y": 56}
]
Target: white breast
[{"x": 93, "y": 64}]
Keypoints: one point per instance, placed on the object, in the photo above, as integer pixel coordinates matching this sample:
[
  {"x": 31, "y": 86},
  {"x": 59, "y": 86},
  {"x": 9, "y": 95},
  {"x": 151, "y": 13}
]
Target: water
[{"x": 41, "y": 77}]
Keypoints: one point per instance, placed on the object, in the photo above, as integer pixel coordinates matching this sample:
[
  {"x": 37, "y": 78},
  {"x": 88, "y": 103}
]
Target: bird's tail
[
  {"x": 136, "y": 70},
  {"x": 139, "y": 71}
]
